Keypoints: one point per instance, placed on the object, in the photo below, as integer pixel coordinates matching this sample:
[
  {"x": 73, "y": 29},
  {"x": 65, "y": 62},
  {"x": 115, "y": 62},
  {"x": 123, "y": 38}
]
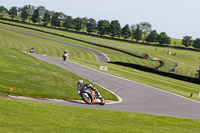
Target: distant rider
[
  {"x": 32, "y": 50},
  {"x": 65, "y": 55}
]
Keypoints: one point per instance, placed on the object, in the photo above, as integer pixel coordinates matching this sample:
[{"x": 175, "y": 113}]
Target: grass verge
[
  {"x": 21, "y": 116},
  {"x": 31, "y": 77}
]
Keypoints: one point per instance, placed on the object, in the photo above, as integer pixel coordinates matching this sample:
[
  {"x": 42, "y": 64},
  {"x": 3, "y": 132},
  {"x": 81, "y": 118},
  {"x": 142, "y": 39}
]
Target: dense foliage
[{"x": 188, "y": 41}]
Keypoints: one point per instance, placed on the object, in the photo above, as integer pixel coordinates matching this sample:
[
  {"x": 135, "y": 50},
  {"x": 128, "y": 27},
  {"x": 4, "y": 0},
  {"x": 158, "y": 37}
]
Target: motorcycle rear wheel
[{"x": 86, "y": 98}]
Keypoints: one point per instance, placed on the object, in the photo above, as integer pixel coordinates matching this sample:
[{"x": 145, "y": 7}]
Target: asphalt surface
[{"x": 136, "y": 97}]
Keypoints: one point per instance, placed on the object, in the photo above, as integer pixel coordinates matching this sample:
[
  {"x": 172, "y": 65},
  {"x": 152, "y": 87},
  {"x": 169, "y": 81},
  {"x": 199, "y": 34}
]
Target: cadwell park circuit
[{"x": 133, "y": 96}]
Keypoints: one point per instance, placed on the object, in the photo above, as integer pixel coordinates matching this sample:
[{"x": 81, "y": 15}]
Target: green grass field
[
  {"x": 31, "y": 77},
  {"x": 19, "y": 41},
  {"x": 188, "y": 61},
  {"x": 21, "y": 116}
]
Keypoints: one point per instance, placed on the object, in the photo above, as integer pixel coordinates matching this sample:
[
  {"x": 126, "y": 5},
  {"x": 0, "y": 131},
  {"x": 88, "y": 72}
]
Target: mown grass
[
  {"x": 187, "y": 60},
  {"x": 21, "y": 116},
  {"x": 31, "y": 77},
  {"x": 116, "y": 56},
  {"x": 24, "y": 42},
  {"x": 168, "y": 84},
  {"x": 113, "y": 55}
]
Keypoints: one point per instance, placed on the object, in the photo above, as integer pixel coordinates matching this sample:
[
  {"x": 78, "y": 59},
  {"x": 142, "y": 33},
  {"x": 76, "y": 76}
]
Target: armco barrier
[{"x": 152, "y": 70}]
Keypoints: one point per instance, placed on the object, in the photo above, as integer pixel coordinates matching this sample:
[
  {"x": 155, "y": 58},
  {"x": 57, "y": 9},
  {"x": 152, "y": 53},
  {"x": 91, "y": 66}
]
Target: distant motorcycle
[
  {"x": 32, "y": 50},
  {"x": 89, "y": 94},
  {"x": 65, "y": 55}
]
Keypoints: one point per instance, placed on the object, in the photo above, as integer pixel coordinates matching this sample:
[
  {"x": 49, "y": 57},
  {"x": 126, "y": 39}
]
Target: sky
[{"x": 178, "y": 18}]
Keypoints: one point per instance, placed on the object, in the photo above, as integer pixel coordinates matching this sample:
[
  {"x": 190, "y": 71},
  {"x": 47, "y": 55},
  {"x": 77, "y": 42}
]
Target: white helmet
[{"x": 80, "y": 81}]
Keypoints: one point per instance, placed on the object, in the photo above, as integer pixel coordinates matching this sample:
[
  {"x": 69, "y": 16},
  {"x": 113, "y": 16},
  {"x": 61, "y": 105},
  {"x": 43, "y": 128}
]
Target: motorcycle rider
[
  {"x": 94, "y": 89},
  {"x": 65, "y": 55},
  {"x": 81, "y": 85},
  {"x": 32, "y": 50}
]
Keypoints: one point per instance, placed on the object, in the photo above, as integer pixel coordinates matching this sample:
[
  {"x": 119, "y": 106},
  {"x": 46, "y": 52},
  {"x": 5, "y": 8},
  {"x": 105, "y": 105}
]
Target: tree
[
  {"x": 24, "y": 14},
  {"x": 19, "y": 10},
  {"x": 41, "y": 12},
  {"x": 146, "y": 28},
  {"x": 152, "y": 37},
  {"x": 132, "y": 31},
  {"x": 126, "y": 32},
  {"x": 91, "y": 25},
  {"x": 55, "y": 20},
  {"x": 30, "y": 10},
  {"x": 163, "y": 38},
  {"x": 197, "y": 43},
  {"x": 78, "y": 24},
  {"x": 47, "y": 17},
  {"x": 3, "y": 11},
  {"x": 13, "y": 12},
  {"x": 187, "y": 41},
  {"x": 138, "y": 33},
  {"x": 68, "y": 22},
  {"x": 84, "y": 23},
  {"x": 62, "y": 17},
  {"x": 35, "y": 18},
  {"x": 103, "y": 27},
  {"x": 115, "y": 29},
  {"x": 27, "y": 12}
]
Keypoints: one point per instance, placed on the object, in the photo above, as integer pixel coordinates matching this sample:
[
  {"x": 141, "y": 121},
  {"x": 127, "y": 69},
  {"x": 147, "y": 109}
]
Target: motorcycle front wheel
[{"x": 102, "y": 101}]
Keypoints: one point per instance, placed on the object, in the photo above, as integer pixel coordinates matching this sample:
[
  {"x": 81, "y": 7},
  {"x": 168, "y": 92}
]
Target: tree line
[
  {"x": 139, "y": 32},
  {"x": 188, "y": 41}
]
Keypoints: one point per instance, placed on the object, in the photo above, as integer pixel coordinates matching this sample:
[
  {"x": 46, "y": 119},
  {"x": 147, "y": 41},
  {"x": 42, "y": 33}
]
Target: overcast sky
[{"x": 177, "y": 18}]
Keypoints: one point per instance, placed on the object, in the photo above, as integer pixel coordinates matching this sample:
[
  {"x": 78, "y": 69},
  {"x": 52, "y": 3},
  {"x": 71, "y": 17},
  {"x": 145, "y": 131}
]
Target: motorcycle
[{"x": 89, "y": 95}]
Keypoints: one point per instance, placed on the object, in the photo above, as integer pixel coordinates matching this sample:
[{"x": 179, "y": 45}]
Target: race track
[{"x": 136, "y": 97}]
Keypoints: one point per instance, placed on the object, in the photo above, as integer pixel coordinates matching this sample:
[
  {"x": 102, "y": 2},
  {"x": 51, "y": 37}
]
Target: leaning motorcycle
[{"x": 89, "y": 96}]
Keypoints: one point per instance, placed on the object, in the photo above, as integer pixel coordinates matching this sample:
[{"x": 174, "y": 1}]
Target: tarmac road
[{"x": 136, "y": 97}]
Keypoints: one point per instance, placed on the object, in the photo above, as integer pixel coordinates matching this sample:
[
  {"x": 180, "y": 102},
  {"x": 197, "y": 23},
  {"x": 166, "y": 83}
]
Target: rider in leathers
[{"x": 81, "y": 85}]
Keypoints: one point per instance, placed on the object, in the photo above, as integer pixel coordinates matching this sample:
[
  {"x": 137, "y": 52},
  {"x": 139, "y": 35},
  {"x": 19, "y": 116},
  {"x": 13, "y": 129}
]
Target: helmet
[
  {"x": 90, "y": 85},
  {"x": 80, "y": 82}
]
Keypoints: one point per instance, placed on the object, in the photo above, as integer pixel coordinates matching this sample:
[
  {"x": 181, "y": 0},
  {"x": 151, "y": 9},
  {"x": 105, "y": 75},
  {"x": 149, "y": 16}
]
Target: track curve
[
  {"x": 136, "y": 97},
  {"x": 99, "y": 55}
]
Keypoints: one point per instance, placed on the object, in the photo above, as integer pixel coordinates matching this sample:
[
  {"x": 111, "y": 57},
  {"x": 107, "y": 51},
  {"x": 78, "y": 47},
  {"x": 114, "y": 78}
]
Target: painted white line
[
  {"x": 58, "y": 100},
  {"x": 21, "y": 97}
]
